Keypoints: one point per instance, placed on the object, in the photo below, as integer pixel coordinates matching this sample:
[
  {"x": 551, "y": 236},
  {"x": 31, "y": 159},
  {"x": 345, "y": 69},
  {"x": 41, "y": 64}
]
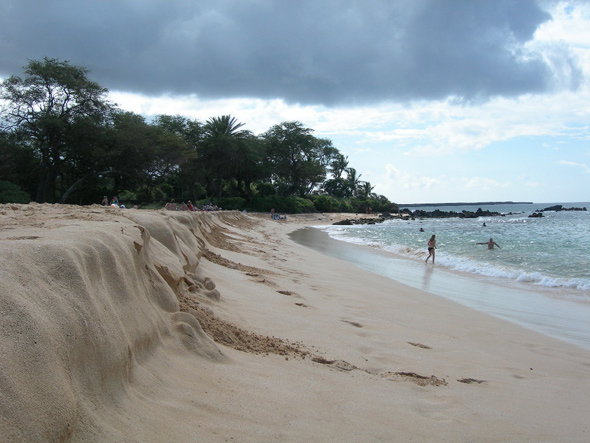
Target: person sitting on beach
[
  {"x": 105, "y": 201},
  {"x": 171, "y": 206},
  {"x": 431, "y": 248},
  {"x": 491, "y": 243},
  {"x": 183, "y": 207},
  {"x": 190, "y": 206}
]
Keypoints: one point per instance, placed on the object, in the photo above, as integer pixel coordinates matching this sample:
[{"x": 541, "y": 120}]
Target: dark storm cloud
[{"x": 306, "y": 51}]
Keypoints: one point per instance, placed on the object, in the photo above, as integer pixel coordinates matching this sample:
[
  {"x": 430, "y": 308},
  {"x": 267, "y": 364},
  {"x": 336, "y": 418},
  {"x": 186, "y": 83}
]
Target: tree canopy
[{"x": 61, "y": 140}]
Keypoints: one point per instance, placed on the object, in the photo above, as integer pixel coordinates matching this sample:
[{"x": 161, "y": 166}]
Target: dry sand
[{"x": 155, "y": 326}]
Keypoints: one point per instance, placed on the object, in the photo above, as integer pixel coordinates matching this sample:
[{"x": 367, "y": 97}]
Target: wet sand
[{"x": 534, "y": 307}]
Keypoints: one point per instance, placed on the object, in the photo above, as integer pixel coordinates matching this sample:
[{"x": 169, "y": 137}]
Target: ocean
[{"x": 539, "y": 278}]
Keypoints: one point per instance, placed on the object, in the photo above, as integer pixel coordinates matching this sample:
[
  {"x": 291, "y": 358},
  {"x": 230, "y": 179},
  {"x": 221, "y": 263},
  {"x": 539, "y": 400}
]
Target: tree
[
  {"x": 337, "y": 185},
  {"x": 188, "y": 183},
  {"x": 142, "y": 157},
  {"x": 352, "y": 182},
  {"x": 338, "y": 165},
  {"x": 224, "y": 150},
  {"x": 188, "y": 130},
  {"x": 44, "y": 107},
  {"x": 297, "y": 159},
  {"x": 364, "y": 189}
]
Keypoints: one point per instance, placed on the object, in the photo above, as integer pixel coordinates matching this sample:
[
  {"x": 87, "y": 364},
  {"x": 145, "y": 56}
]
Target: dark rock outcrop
[{"x": 558, "y": 208}]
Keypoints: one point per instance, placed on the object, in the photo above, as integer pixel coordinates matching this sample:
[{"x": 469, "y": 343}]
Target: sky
[{"x": 431, "y": 100}]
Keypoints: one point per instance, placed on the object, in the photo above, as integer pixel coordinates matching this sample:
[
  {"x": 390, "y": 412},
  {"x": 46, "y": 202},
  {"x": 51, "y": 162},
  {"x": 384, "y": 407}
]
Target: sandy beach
[{"x": 158, "y": 326}]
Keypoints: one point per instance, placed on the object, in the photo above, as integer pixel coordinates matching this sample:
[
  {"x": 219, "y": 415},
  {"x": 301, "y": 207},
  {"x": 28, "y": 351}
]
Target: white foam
[{"x": 457, "y": 263}]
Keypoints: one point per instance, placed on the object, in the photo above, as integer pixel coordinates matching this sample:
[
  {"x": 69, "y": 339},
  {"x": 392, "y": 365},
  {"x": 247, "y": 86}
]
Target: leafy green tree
[
  {"x": 338, "y": 165},
  {"x": 11, "y": 193},
  {"x": 18, "y": 163},
  {"x": 7, "y": 162},
  {"x": 83, "y": 161},
  {"x": 224, "y": 150},
  {"x": 141, "y": 156},
  {"x": 364, "y": 189},
  {"x": 188, "y": 182},
  {"x": 188, "y": 130},
  {"x": 297, "y": 159},
  {"x": 252, "y": 168},
  {"x": 44, "y": 107},
  {"x": 352, "y": 182}
]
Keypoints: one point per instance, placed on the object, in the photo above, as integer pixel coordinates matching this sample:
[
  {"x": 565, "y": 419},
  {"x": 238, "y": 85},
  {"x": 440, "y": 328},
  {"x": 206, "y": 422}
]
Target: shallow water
[
  {"x": 560, "y": 311},
  {"x": 551, "y": 251}
]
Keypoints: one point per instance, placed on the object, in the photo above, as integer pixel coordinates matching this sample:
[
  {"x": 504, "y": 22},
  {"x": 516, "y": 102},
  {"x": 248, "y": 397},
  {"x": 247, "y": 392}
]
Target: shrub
[
  {"x": 289, "y": 205},
  {"x": 11, "y": 193},
  {"x": 325, "y": 203},
  {"x": 232, "y": 203}
]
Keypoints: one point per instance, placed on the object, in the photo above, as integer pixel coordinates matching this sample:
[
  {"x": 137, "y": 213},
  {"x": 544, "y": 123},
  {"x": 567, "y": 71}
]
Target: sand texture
[{"x": 155, "y": 326}]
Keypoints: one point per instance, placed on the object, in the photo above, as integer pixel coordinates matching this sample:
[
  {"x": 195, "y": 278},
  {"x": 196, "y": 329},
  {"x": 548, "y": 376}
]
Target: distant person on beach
[
  {"x": 105, "y": 201},
  {"x": 171, "y": 206},
  {"x": 491, "y": 243},
  {"x": 431, "y": 248}
]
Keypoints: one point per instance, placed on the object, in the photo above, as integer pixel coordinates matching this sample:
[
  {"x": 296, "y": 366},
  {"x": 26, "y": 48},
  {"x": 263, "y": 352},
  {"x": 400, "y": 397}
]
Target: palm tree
[
  {"x": 223, "y": 150},
  {"x": 352, "y": 181},
  {"x": 364, "y": 189}
]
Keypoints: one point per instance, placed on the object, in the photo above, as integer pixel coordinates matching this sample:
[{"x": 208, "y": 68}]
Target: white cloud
[
  {"x": 583, "y": 166},
  {"x": 483, "y": 184},
  {"x": 395, "y": 179},
  {"x": 569, "y": 24}
]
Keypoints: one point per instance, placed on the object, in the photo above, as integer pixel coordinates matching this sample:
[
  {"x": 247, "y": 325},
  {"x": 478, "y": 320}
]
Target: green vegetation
[{"x": 61, "y": 141}]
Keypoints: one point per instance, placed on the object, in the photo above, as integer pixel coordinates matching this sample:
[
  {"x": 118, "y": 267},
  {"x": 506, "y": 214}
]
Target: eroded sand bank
[{"x": 125, "y": 325}]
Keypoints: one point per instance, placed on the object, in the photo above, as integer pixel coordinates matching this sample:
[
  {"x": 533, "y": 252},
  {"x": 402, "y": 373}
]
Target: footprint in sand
[
  {"x": 290, "y": 293},
  {"x": 303, "y": 305},
  {"x": 258, "y": 278},
  {"x": 419, "y": 345},
  {"x": 470, "y": 380},
  {"x": 420, "y": 380},
  {"x": 337, "y": 364},
  {"x": 353, "y": 323}
]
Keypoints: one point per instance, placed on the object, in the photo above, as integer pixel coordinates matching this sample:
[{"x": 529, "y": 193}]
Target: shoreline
[
  {"x": 155, "y": 326},
  {"x": 519, "y": 303}
]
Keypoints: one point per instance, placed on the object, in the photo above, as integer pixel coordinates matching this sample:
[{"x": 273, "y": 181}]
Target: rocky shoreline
[
  {"x": 557, "y": 208},
  {"x": 407, "y": 214}
]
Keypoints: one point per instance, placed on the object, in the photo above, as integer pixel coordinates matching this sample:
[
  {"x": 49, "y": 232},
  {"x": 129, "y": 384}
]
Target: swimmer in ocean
[{"x": 491, "y": 243}]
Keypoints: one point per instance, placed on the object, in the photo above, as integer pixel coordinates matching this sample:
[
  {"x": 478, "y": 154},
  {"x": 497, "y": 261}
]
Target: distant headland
[{"x": 412, "y": 205}]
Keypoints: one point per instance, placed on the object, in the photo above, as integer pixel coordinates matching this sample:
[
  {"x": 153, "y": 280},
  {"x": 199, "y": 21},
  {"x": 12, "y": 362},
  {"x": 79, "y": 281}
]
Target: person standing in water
[
  {"x": 431, "y": 248},
  {"x": 491, "y": 243}
]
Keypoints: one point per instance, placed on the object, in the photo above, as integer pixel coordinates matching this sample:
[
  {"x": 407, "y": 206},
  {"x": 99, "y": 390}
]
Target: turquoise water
[
  {"x": 549, "y": 252},
  {"x": 540, "y": 278}
]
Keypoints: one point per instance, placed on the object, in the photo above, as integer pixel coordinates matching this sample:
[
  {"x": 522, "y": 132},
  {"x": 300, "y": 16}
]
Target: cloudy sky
[{"x": 431, "y": 100}]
